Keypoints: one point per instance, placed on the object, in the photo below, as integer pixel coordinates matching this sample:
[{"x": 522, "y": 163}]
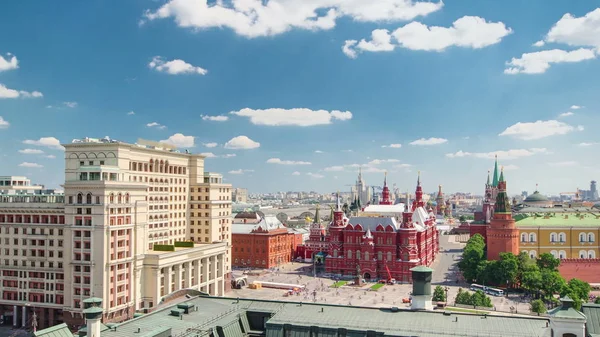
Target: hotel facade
[{"x": 136, "y": 222}]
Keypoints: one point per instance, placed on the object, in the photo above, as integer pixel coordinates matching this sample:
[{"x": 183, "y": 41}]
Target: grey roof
[
  {"x": 592, "y": 312},
  {"x": 61, "y": 330},
  {"x": 268, "y": 222},
  {"x": 371, "y": 223}
]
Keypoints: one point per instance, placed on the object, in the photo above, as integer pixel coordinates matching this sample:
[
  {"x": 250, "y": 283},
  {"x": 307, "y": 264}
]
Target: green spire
[
  {"x": 502, "y": 204},
  {"x": 495, "y": 181},
  {"x": 502, "y": 174},
  {"x": 317, "y": 215},
  {"x": 488, "y": 180}
]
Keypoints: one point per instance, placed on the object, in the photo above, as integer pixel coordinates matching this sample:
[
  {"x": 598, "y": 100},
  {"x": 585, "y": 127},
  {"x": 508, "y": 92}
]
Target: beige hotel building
[{"x": 137, "y": 224}]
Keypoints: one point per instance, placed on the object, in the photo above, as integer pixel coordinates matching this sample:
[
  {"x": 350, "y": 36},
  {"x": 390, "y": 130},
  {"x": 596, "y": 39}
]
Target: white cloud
[
  {"x": 240, "y": 171},
  {"x": 315, "y": 175},
  {"x": 296, "y": 117},
  {"x": 564, "y": 163},
  {"x": 510, "y": 167},
  {"x": 429, "y": 141},
  {"x": 30, "y": 165},
  {"x": 539, "y": 62},
  {"x": 49, "y": 142},
  {"x": 50, "y": 156},
  {"x": 502, "y": 154},
  {"x": 587, "y": 144},
  {"x": 12, "y": 93},
  {"x": 296, "y": 173},
  {"x": 31, "y": 151},
  {"x": 8, "y": 63},
  {"x": 254, "y": 18},
  {"x": 334, "y": 168},
  {"x": 576, "y": 107},
  {"x": 393, "y": 146},
  {"x": 208, "y": 154},
  {"x": 540, "y": 43},
  {"x": 382, "y": 161},
  {"x": 228, "y": 155},
  {"x": 3, "y": 123},
  {"x": 156, "y": 125},
  {"x": 180, "y": 140},
  {"x": 318, "y": 151},
  {"x": 403, "y": 166},
  {"x": 348, "y": 48},
  {"x": 210, "y": 145},
  {"x": 214, "y": 118},
  {"x": 566, "y": 114},
  {"x": 175, "y": 67},
  {"x": 347, "y": 151},
  {"x": 574, "y": 31},
  {"x": 70, "y": 104},
  {"x": 538, "y": 129},
  {"x": 130, "y": 113},
  {"x": 241, "y": 143},
  {"x": 287, "y": 162}
]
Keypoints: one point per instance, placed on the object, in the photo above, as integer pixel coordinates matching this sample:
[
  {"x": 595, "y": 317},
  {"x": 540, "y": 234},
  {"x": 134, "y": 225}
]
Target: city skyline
[{"x": 283, "y": 96}]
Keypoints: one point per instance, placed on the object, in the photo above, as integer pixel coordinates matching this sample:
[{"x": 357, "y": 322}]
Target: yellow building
[{"x": 564, "y": 234}]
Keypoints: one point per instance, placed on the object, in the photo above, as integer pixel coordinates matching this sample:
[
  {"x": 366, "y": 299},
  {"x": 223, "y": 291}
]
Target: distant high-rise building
[
  {"x": 240, "y": 195},
  {"x": 361, "y": 193}
]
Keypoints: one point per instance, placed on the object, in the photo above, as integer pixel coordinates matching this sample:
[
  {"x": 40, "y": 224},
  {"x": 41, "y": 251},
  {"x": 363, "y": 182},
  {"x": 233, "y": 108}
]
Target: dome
[{"x": 536, "y": 197}]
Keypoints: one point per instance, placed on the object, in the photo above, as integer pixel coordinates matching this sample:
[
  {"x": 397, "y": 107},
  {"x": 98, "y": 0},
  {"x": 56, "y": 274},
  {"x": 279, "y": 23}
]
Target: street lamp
[{"x": 446, "y": 289}]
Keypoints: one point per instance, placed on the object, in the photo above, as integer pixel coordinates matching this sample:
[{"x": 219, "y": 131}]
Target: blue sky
[{"x": 311, "y": 90}]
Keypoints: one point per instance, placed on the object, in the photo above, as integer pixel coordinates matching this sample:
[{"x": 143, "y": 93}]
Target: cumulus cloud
[
  {"x": 393, "y": 146},
  {"x": 273, "y": 17},
  {"x": 468, "y": 32},
  {"x": 241, "y": 143},
  {"x": 318, "y": 151},
  {"x": 30, "y": 165},
  {"x": 3, "y": 123},
  {"x": 540, "y": 43},
  {"x": 70, "y": 104},
  {"x": 295, "y": 117},
  {"x": 576, "y": 107},
  {"x": 315, "y": 175},
  {"x": 210, "y": 145},
  {"x": 429, "y": 141},
  {"x": 501, "y": 154},
  {"x": 538, "y": 129},
  {"x": 31, "y": 151},
  {"x": 12, "y": 93},
  {"x": 382, "y": 161},
  {"x": 566, "y": 114},
  {"x": 49, "y": 142},
  {"x": 577, "y": 31},
  {"x": 587, "y": 144},
  {"x": 214, "y": 118},
  {"x": 8, "y": 63},
  {"x": 208, "y": 154},
  {"x": 175, "y": 67},
  {"x": 539, "y": 62},
  {"x": 50, "y": 156},
  {"x": 228, "y": 155},
  {"x": 286, "y": 162},
  {"x": 240, "y": 171},
  {"x": 180, "y": 140},
  {"x": 564, "y": 163},
  {"x": 156, "y": 125}
]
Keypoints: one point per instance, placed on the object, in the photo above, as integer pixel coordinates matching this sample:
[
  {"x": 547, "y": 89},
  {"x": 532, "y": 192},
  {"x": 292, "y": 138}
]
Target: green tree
[
  {"x": 462, "y": 218},
  {"x": 439, "y": 295},
  {"x": 508, "y": 269},
  {"x": 463, "y": 297},
  {"x": 525, "y": 264},
  {"x": 531, "y": 280},
  {"x": 552, "y": 283},
  {"x": 473, "y": 255},
  {"x": 537, "y": 306},
  {"x": 479, "y": 299},
  {"x": 547, "y": 261},
  {"x": 487, "y": 272},
  {"x": 579, "y": 288},
  {"x": 597, "y": 300}
]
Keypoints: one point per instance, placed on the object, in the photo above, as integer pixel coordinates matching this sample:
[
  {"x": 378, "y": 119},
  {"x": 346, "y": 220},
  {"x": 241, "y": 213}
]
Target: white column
[
  {"x": 156, "y": 297},
  {"x": 177, "y": 269},
  {"x": 15, "y": 315},
  {"x": 24, "y": 318},
  {"x": 213, "y": 271},
  {"x": 93, "y": 327},
  {"x": 168, "y": 280},
  {"x": 188, "y": 274},
  {"x": 205, "y": 266},
  {"x": 222, "y": 275},
  {"x": 197, "y": 272}
]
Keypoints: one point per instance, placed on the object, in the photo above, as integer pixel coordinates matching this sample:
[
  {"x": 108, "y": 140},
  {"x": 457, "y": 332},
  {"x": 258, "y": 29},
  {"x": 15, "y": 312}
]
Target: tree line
[{"x": 538, "y": 277}]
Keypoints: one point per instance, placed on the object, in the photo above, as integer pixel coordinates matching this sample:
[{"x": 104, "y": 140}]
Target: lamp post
[{"x": 446, "y": 290}]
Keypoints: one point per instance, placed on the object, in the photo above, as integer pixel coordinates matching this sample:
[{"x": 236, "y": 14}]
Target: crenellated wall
[{"x": 584, "y": 269}]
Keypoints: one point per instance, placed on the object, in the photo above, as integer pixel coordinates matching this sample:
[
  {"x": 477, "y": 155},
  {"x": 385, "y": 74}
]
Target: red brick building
[
  {"x": 262, "y": 242},
  {"x": 377, "y": 244}
]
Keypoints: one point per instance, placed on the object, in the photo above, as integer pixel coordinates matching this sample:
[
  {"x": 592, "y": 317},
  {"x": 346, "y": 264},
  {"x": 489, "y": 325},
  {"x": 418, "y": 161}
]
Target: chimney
[{"x": 93, "y": 315}]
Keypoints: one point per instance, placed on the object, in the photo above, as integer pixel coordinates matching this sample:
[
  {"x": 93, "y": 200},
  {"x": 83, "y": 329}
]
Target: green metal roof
[
  {"x": 592, "y": 312},
  {"x": 61, "y": 330},
  {"x": 535, "y": 197},
  {"x": 559, "y": 220},
  {"x": 566, "y": 310},
  {"x": 495, "y": 181},
  {"x": 92, "y": 300},
  {"x": 421, "y": 269}
]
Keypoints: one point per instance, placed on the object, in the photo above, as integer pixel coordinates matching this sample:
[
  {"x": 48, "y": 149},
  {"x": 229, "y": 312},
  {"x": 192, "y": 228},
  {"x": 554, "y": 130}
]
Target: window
[
  {"x": 523, "y": 237},
  {"x": 349, "y": 254},
  {"x": 561, "y": 237},
  {"x": 88, "y": 198},
  {"x": 389, "y": 256},
  {"x": 554, "y": 253},
  {"x": 379, "y": 256},
  {"x": 582, "y": 237},
  {"x": 591, "y": 254},
  {"x": 591, "y": 237},
  {"x": 582, "y": 254},
  {"x": 367, "y": 256},
  {"x": 562, "y": 254},
  {"x": 80, "y": 198},
  {"x": 532, "y": 237},
  {"x": 553, "y": 237}
]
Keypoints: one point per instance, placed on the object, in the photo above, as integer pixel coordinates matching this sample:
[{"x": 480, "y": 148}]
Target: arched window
[
  {"x": 111, "y": 198},
  {"x": 524, "y": 237},
  {"x": 126, "y": 198},
  {"x": 366, "y": 256},
  {"x": 532, "y": 237},
  {"x": 552, "y": 237},
  {"x": 119, "y": 198},
  {"x": 335, "y": 253},
  {"x": 358, "y": 254},
  {"x": 582, "y": 254},
  {"x": 389, "y": 256},
  {"x": 591, "y": 237},
  {"x": 561, "y": 237},
  {"x": 562, "y": 254},
  {"x": 582, "y": 237},
  {"x": 554, "y": 253},
  {"x": 379, "y": 256},
  {"x": 349, "y": 254},
  {"x": 525, "y": 251},
  {"x": 532, "y": 254},
  {"x": 88, "y": 199},
  {"x": 591, "y": 254},
  {"x": 80, "y": 198}
]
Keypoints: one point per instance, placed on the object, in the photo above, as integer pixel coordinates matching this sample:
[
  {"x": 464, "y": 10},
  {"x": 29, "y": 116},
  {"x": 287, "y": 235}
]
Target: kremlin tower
[
  {"x": 491, "y": 191},
  {"x": 418, "y": 195},
  {"x": 502, "y": 234},
  {"x": 385, "y": 193}
]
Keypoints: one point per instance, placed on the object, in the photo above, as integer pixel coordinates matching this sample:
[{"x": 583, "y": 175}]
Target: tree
[
  {"x": 537, "y": 306},
  {"x": 479, "y": 299},
  {"x": 547, "y": 261},
  {"x": 597, "y": 300},
  {"x": 552, "y": 283},
  {"x": 439, "y": 295},
  {"x": 525, "y": 264},
  {"x": 579, "y": 288},
  {"x": 463, "y": 297},
  {"x": 508, "y": 268},
  {"x": 531, "y": 280},
  {"x": 462, "y": 219},
  {"x": 473, "y": 255}
]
